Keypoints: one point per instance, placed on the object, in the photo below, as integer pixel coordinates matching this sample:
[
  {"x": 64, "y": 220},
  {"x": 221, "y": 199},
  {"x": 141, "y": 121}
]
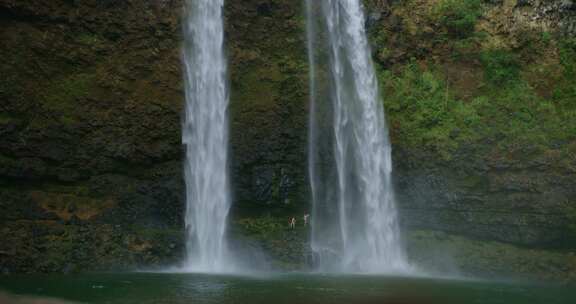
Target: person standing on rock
[
  {"x": 306, "y": 216},
  {"x": 293, "y": 223}
]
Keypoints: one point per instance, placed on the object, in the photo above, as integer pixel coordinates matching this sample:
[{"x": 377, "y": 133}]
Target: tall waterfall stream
[
  {"x": 205, "y": 135},
  {"x": 355, "y": 220}
]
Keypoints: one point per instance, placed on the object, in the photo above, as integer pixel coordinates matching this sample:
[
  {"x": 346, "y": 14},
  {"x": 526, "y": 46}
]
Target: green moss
[
  {"x": 500, "y": 66},
  {"x": 424, "y": 112},
  {"x": 256, "y": 87},
  {"x": 565, "y": 92},
  {"x": 62, "y": 95},
  {"x": 546, "y": 37},
  {"x": 458, "y": 17},
  {"x": 516, "y": 113},
  {"x": 571, "y": 216},
  {"x": 568, "y": 56},
  {"x": 445, "y": 252},
  {"x": 286, "y": 247},
  {"x": 261, "y": 227},
  {"x": 89, "y": 39}
]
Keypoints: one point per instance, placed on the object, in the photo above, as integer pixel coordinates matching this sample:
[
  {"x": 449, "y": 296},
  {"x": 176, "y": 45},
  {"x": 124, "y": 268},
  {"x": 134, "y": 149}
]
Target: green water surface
[{"x": 280, "y": 288}]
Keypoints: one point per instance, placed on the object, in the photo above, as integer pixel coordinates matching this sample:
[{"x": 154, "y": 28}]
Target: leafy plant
[
  {"x": 500, "y": 66},
  {"x": 568, "y": 57},
  {"x": 565, "y": 92},
  {"x": 546, "y": 37},
  {"x": 424, "y": 112},
  {"x": 459, "y": 17}
]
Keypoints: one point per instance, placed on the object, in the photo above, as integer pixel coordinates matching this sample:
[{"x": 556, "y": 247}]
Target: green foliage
[
  {"x": 285, "y": 245},
  {"x": 519, "y": 116},
  {"x": 261, "y": 226},
  {"x": 465, "y": 48},
  {"x": 546, "y": 37},
  {"x": 425, "y": 113},
  {"x": 477, "y": 256},
  {"x": 565, "y": 92},
  {"x": 500, "y": 66},
  {"x": 568, "y": 57},
  {"x": 459, "y": 17}
]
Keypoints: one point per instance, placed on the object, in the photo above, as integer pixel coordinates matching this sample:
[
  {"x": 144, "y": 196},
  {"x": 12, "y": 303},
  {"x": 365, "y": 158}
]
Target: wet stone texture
[{"x": 90, "y": 144}]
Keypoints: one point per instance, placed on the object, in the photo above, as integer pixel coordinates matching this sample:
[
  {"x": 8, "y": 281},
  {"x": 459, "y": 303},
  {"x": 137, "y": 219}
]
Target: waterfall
[
  {"x": 205, "y": 136},
  {"x": 354, "y": 218}
]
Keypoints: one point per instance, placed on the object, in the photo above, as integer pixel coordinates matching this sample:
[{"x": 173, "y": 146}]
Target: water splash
[
  {"x": 355, "y": 221},
  {"x": 205, "y": 135}
]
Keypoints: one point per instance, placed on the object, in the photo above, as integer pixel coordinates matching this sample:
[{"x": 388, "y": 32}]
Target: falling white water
[
  {"x": 355, "y": 221},
  {"x": 205, "y": 135}
]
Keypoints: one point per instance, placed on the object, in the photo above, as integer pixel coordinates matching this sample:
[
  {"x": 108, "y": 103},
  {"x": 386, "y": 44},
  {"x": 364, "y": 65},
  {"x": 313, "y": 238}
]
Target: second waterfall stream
[{"x": 355, "y": 219}]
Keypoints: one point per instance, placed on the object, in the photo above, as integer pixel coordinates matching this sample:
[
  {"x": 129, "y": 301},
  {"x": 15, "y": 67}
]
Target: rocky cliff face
[
  {"x": 90, "y": 133},
  {"x": 90, "y": 126},
  {"x": 479, "y": 94},
  {"x": 497, "y": 174}
]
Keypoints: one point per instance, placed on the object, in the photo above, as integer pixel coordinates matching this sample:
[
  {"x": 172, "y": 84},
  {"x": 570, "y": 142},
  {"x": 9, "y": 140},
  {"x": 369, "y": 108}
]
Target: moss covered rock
[{"x": 480, "y": 97}]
